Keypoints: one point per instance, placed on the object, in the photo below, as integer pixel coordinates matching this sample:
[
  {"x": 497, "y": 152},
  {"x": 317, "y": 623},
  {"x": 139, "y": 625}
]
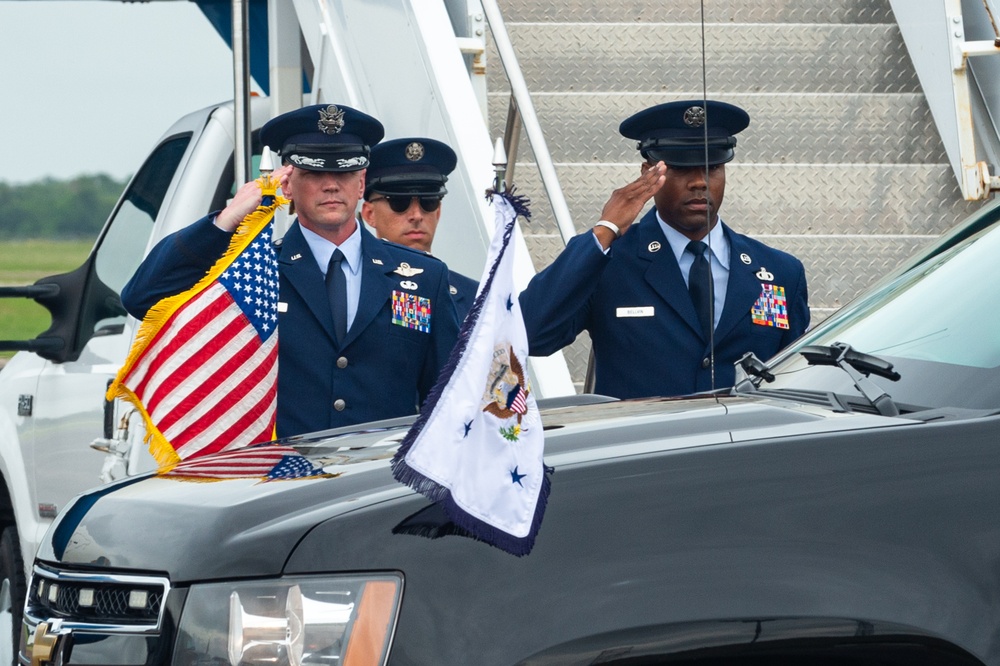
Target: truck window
[{"x": 127, "y": 232}]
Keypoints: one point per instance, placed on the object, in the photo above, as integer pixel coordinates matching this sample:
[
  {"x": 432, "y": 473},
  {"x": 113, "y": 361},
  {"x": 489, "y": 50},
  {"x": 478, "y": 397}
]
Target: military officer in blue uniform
[
  {"x": 403, "y": 192},
  {"x": 365, "y": 326},
  {"x": 659, "y": 297}
]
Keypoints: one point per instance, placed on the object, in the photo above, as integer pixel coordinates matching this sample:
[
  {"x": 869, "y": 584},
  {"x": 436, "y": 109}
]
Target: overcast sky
[{"x": 88, "y": 86}]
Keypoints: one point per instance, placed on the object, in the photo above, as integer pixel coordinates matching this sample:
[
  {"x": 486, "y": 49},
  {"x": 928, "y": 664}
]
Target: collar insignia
[
  {"x": 331, "y": 120},
  {"x": 654, "y": 246},
  {"x": 406, "y": 270},
  {"x": 452, "y": 290},
  {"x": 745, "y": 258},
  {"x": 377, "y": 261},
  {"x": 296, "y": 256}
]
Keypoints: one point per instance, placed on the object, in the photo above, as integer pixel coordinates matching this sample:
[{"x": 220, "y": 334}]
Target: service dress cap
[
  {"x": 323, "y": 137},
  {"x": 675, "y": 132},
  {"x": 412, "y": 166}
]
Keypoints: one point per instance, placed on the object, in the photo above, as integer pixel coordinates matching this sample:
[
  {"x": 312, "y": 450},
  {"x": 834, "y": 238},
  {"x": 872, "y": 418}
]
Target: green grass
[{"x": 23, "y": 262}]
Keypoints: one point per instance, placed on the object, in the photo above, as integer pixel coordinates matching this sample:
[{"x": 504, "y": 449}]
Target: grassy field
[{"x": 22, "y": 263}]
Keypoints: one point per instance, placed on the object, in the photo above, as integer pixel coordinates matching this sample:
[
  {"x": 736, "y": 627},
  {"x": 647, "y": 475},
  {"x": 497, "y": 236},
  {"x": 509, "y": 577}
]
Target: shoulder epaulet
[{"x": 411, "y": 250}]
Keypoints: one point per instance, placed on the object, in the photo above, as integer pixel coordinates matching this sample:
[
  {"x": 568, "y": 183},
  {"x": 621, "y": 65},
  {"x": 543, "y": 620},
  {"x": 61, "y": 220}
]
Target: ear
[{"x": 366, "y": 213}]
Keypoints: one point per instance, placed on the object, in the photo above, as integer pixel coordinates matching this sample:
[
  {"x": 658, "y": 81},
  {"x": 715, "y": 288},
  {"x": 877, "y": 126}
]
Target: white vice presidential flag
[{"x": 477, "y": 446}]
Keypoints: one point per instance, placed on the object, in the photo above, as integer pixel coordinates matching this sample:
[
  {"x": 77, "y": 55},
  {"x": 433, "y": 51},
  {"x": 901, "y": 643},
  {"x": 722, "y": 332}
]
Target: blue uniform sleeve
[
  {"x": 444, "y": 333},
  {"x": 175, "y": 264},
  {"x": 556, "y": 303},
  {"x": 798, "y": 308}
]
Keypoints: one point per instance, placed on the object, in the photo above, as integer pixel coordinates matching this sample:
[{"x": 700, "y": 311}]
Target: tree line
[{"x": 59, "y": 209}]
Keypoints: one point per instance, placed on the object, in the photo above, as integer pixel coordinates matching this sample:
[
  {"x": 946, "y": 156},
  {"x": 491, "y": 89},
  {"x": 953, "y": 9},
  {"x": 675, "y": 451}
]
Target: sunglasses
[{"x": 400, "y": 203}]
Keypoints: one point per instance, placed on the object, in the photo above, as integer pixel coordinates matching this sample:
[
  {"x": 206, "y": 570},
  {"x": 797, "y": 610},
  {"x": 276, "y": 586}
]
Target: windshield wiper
[{"x": 858, "y": 365}]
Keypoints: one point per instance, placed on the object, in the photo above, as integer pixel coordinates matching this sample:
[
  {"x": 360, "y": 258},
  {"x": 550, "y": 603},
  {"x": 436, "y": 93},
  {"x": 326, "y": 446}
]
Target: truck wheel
[{"x": 12, "y": 589}]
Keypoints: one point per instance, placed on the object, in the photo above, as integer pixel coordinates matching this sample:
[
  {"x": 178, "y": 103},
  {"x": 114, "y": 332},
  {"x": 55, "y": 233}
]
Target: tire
[{"x": 12, "y": 590}]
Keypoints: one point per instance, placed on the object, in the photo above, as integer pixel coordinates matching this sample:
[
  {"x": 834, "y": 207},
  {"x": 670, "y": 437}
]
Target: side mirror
[{"x": 76, "y": 301}]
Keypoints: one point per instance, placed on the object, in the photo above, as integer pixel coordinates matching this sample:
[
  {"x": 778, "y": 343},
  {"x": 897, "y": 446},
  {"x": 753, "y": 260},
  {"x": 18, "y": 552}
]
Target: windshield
[{"x": 938, "y": 324}]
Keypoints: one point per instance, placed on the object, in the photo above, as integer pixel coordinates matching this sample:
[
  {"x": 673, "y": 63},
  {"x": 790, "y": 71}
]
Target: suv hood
[{"x": 255, "y": 524}]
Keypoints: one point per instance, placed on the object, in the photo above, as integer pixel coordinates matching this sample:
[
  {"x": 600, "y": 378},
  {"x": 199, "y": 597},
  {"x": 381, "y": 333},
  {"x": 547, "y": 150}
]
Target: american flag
[
  {"x": 203, "y": 368},
  {"x": 268, "y": 462}
]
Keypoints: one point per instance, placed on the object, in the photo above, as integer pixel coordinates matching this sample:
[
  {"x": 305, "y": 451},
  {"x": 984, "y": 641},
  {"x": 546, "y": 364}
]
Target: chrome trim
[{"x": 98, "y": 579}]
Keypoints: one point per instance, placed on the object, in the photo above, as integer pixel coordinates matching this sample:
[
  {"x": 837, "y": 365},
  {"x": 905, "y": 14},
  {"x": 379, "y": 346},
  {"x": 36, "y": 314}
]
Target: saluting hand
[
  {"x": 246, "y": 201},
  {"x": 627, "y": 202}
]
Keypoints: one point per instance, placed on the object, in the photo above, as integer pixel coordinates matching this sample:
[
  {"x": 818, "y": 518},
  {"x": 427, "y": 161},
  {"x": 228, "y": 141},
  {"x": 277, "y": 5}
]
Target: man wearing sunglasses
[
  {"x": 365, "y": 326},
  {"x": 403, "y": 191},
  {"x": 663, "y": 299}
]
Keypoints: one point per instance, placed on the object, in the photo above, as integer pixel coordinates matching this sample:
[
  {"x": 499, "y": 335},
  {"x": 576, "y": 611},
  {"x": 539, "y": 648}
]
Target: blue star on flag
[{"x": 516, "y": 478}]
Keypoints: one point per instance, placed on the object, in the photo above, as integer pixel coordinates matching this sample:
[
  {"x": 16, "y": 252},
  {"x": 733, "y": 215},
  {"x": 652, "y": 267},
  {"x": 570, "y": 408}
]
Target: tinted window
[
  {"x": 937, "y": 324},
  {"x": 128, "y": 231}
]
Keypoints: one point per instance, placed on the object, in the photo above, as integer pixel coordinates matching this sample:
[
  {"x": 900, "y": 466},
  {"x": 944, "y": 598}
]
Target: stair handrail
[{"x": 523, "y": 106}]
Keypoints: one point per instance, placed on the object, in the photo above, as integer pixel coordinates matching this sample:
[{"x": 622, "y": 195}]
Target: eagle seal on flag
[{"x": 477, "y": 446}]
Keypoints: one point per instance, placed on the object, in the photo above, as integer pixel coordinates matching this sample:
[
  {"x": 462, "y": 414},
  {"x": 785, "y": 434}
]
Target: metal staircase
[{"x": 841, "y": 165}]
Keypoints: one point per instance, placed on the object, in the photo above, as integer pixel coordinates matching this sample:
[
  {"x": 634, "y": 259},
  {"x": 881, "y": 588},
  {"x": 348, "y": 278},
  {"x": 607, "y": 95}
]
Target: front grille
[{"x": 102, "y": 600}]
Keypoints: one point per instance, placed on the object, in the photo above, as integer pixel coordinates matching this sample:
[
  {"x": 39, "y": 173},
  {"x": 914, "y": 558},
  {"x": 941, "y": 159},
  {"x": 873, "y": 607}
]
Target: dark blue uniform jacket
[
  {"x": 463, "y": 292},
  {"x": 663, "y": 352},
  {"x": 382, "y": 370}
]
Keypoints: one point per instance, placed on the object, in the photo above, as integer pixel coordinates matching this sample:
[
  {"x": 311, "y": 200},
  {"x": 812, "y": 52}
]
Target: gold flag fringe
[{"x": 161, "y": 449}]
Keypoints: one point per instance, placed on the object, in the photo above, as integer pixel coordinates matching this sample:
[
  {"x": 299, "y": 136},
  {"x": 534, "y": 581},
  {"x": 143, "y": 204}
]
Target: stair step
[
  {"x": 786, "y": 11},
  {"x": 632, "y": 57},
  {"x": 784, "y": 128}
]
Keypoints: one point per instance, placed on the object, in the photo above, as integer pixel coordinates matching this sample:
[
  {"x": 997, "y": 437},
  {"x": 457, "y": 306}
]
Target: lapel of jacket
[
  {"x": 376, "y": 286},
  {"x": 662, "y": 272},
  {"x": 298, "y": 266},
  {"x": 744, "y": 287}
]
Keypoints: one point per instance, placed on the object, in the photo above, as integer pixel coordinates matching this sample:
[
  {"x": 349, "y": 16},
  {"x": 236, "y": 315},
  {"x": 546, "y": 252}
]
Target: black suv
[{"x": 840, "y": 505}]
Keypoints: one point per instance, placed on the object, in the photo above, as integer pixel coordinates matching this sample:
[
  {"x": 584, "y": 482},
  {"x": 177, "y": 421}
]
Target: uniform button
[
  {"x": 339, "y": 405},
  {"x": 342, "y": 362},
  {"x": 706, "y": 362}
]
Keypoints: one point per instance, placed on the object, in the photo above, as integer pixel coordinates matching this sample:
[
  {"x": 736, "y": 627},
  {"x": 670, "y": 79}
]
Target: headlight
[{"x": 335, "y": 621}]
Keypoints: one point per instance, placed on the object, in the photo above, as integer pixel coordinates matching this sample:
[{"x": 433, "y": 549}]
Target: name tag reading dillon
[{"x": 645, "y": 311}]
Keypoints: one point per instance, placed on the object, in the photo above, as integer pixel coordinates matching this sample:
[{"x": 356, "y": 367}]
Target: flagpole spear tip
[
  {"x": 267, "y": 186},
  {"x": 266, "y": 161},
  {"x": 499, "y": 166}
]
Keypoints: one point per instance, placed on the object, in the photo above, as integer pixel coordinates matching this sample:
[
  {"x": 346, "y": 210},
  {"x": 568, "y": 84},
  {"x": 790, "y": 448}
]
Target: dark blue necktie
[
  {"x": 700, "y": 285},
  {"x": 336, "y": 291}
]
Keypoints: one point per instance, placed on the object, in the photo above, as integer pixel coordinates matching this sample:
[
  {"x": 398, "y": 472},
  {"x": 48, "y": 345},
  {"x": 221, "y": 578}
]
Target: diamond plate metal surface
[
  {"x": 718, "y": 11},
  {"x": 740, "y": 58},
  {"x": 812, "y": 199},
  {"x": 784, "y": 128}
]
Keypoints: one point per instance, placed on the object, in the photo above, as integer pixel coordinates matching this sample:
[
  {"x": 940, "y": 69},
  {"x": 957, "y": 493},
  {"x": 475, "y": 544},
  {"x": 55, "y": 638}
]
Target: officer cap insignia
[
  {"x": 331, "y": 120},
  {"x": 694, "y": 116},
  {"x": 408, "y": 284},
  {"x": 764, "y": 276},
  {"x": 745, "y": 258},
  {"x": 414, "y": 151},
  {"x": 406, "y": 270},
  {"x": 654, "y": 246}
]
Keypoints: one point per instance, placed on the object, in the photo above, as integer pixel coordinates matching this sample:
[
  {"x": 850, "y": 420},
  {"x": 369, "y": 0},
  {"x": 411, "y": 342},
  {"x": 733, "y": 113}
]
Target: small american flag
[{"x": 203, "y": 368}]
